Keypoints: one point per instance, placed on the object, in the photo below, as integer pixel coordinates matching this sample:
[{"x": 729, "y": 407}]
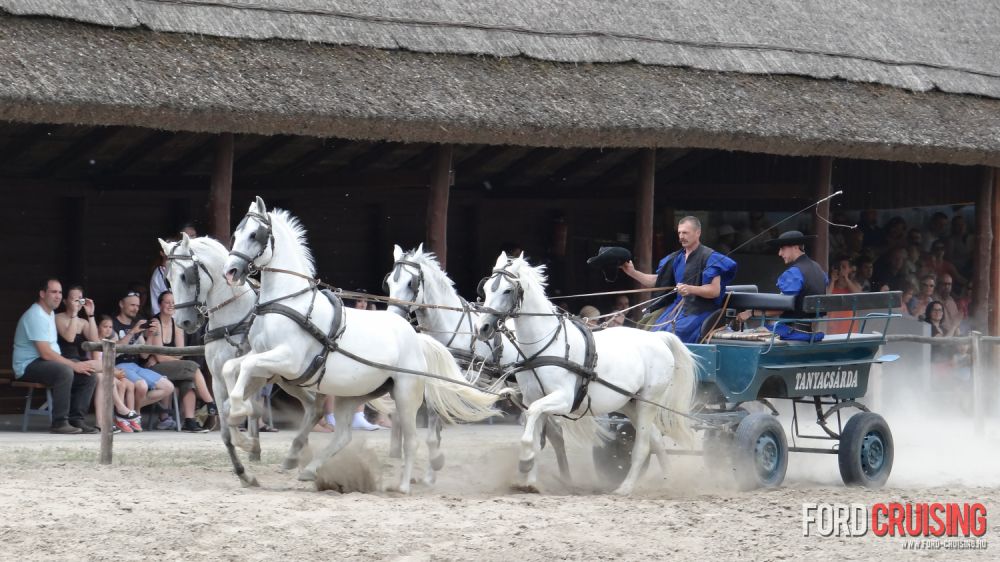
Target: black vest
[
  {"x": 694, "y": 267},
  {"x": 814, "y": 284}
]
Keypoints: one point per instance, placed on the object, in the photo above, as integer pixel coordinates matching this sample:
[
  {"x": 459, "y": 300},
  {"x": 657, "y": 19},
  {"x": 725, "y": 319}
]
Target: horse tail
[
  {"x": 452, "y": 402},
  {"x": 680, "y": 394}
]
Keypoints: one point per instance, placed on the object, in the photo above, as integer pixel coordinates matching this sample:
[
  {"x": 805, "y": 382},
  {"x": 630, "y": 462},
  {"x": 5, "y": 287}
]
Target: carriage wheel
[
  {"x": 613, "y": 459},
  {"x": 761, "y": 452},
  {"x": 866, "y": 451}
]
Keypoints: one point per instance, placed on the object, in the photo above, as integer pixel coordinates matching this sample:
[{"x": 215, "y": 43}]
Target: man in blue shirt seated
[
  {"x": 804, "y": 277},
  {"x": 700, "y": 275},
  {"x": 37, "y": 359}
]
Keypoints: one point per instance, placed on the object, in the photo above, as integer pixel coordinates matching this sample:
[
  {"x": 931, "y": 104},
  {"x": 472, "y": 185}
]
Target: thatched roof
[{"x": 709, "y": 74}]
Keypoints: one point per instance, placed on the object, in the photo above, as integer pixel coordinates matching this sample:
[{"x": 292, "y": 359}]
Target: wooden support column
[
  {"x": 220, "y": 197},
  {"x": 437, "y": 204},
  {"x": 642, "y": 253},
  {"x": 984, "y": 252},
  {"x": 824, "y": 178},
  {"x": 993, "y": 322}
]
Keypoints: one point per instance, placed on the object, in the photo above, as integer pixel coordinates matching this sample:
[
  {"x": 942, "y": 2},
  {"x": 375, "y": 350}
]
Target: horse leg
[
  {"x": 641, "y": 416},
  {"x": 253, "y": 422},
  {"x": 554, "y": 434},
  {"x": 255, "y": 366},
  {"x": 435, "y": 458},
  {"x": 531, "y": 440},
  {"x": 656, "y": 442},
  {"x": 312, "y": 411},
  {"x": 222, "y": 398},
  {"x": 343, "y": 411},
  {"x": 408, "y": 397}
]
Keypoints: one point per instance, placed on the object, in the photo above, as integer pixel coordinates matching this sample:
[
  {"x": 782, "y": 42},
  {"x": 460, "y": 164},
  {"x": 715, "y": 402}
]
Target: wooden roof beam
[
  {"x": 137, "y": 152},
  {"x": 189, "y": 159},
  {"x": 18, "y": 146},
  {"x": 360, "y": 163},
  {"x": 252, "y": 157},
  {"x": 326, "y": 149},
  {"x": 519, "y": 168}
]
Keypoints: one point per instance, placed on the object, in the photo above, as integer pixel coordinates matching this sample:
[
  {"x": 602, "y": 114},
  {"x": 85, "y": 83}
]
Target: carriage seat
[
  {"x": 761, "y": 301},
  {"x": 741, "y": 289}
]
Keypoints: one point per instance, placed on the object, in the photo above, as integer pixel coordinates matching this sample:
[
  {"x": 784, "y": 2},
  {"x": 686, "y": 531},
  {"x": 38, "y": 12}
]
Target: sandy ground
[{"x": 172, "y": 496}]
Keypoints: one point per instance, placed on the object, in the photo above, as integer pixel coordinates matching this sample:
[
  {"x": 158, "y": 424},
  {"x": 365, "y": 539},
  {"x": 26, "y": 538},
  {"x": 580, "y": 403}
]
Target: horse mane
[
  {"x": 434, "y": 270},
  {"x": 532, "y": 274},
  {"x": 293, "y": 224}
]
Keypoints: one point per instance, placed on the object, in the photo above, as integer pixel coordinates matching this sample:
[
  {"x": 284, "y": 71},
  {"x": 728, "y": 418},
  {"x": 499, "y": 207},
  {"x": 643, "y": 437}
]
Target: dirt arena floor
[{"x": 171, "y": 496}]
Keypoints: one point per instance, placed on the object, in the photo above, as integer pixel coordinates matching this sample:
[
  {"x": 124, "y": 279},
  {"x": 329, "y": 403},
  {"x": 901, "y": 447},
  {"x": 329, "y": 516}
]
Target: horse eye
[
  {"x": 183, "y": 277},
  {"x": 507, "y": 292},
  {"x": 253, "y": 235}
]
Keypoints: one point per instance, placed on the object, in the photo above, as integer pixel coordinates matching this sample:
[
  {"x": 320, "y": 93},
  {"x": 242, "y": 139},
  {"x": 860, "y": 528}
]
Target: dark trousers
[{"x": 71, "y": 392}]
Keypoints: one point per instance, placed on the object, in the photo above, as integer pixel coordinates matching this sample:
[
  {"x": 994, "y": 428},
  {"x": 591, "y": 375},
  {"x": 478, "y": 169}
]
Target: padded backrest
[
  {"x": 853, "y": 301},
  {"x": 761, "y": 301},
  {"x": 741, "y": 289}
]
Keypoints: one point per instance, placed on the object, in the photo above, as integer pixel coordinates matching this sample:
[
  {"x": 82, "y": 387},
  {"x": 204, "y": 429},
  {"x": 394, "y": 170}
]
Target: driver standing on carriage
[{"x": 703, "y": 275}]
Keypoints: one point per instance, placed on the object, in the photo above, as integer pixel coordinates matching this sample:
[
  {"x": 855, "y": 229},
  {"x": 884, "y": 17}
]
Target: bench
[{"x": 44, "y": 410}]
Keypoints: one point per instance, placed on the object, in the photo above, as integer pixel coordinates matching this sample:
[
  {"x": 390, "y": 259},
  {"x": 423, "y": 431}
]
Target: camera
[{"x": 81, "y": 302}]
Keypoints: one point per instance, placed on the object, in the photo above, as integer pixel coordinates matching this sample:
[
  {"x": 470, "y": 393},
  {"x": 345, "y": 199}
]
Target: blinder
[
  {"x": 497, "y": 275},
  {"x": 190, "y": 276},
  {"x": 415, "y": 280},
  {"x": 263, "y": 235}
]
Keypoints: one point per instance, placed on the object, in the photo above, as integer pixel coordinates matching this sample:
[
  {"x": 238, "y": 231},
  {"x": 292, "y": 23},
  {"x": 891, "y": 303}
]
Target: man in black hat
[
  {"x": 803, "y": 278},
  {"x": 700, "y": 275}
]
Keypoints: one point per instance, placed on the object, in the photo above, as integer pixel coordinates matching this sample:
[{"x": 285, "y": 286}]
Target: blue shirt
[
  {"x": 35, "y": 325},
  {"x": 792, "y": 281},
  {"x": 717, "y": 265}
]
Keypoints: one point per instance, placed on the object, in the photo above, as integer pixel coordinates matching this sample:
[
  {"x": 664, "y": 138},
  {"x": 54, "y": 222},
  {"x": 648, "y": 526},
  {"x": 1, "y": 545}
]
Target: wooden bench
[{"x": 43, "y": 410}]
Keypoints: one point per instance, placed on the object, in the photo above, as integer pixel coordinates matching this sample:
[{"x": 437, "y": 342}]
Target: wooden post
[
  {"x": 994, "y": 299},
  {"x": 824, "y": 176},
  {"x": 437, "y": 204},
  {"x": 220, "y": 197},
  {"x": 107, "y": 399},
  {"x": 984, "y": 251},
  {"x": 642, "y": 253},
  {"x": 978, "y": 390}
]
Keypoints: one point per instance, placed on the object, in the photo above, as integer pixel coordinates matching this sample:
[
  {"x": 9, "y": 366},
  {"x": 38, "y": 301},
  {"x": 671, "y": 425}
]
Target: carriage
[{"x": 823, "y": 378}]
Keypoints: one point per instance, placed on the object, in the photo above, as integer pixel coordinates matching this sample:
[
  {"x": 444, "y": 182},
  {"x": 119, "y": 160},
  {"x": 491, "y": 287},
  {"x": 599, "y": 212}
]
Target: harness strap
[{"x": 328, "y": 341}]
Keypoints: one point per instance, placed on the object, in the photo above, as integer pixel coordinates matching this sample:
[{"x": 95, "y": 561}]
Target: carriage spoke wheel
[
  {"x": 761, "y": 452},
  {"x": 866, "y": 451}
]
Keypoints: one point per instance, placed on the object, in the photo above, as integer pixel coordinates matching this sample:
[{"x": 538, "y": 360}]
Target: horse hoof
[
  {"x": 250, "y": 482},
  {"x": 524, "y": 488},
  {"x": 437, "y": 463},
  {"x": 307, "y": 476},
  {"x": 526, "y": 466},
  {"x": 290, "y": 464}
]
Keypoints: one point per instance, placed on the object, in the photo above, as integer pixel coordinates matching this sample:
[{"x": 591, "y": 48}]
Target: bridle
[
  {"x": 515, "y": 305},
  {"x": 263, "y": 231},
  {"x": 191, "y": 271},
  {"x": 416, "y": 281}
]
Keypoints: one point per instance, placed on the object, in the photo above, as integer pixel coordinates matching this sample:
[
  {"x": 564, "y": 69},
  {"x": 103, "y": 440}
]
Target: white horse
[
  {"x": 417, "y": 277},
  {"x": 194, "y": 270},
  {"x": 363, "y": 353},
  {"x": 654, "y": 366}
]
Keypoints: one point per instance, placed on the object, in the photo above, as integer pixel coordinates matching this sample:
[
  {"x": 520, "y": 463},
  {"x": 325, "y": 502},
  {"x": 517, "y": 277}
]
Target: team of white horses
[{"x": 292, "y": 333}]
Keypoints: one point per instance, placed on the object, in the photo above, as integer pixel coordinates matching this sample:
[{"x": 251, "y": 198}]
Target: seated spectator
[
  {"x": 37, "y": 359},
  {"x": 937, "y": 229},
  {"x": 960, "y": 245},
  {"x": 126, "y": 418},
  {"x": 909, "y": 290},
  {"x": 183, "y": 373},
  {"x": 947, "y": 360},
  {"x": 590, "y": 314},
  {"x": 925, "y": 295},
  {"x": 953, "y": 317},
  {"x": 150, "y": 386},
  {"x": 889, "y": 270},
  {"x": 863, "y": 273},
  {"x": 75, "y": 325},
  {"x": 895, "y": 233},
  {"x": 872, "y": 233},
  {"x": 938, "y": 265},
  {"x": 621, "y": 305},
  {"x": 842, "y": 283}
]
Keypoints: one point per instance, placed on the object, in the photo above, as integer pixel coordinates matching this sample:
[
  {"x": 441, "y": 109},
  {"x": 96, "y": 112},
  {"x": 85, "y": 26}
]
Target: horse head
[
  {"x": 502, "y": 294},
  {"x": 253, "y": 244},
  {"x": 190, "y": 287},
  {"x": 405, "y": 281}
]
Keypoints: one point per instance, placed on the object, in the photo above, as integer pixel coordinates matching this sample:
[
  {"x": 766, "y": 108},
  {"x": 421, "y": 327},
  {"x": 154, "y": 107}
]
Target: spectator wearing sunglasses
[{"x": 150, "y": 386}]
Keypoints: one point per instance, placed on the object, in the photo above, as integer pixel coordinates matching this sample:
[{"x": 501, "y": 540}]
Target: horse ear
[
  {"x": 397, "y": 252},
  {"x": 420, "y": 248},
  {"x": 502, "y": 260},
  {"x": 164, "y": 245},
  {"x": 185, "y": 240},
  {"x": 261, "y": 208},
  {"x": 521, "y": 257}
]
